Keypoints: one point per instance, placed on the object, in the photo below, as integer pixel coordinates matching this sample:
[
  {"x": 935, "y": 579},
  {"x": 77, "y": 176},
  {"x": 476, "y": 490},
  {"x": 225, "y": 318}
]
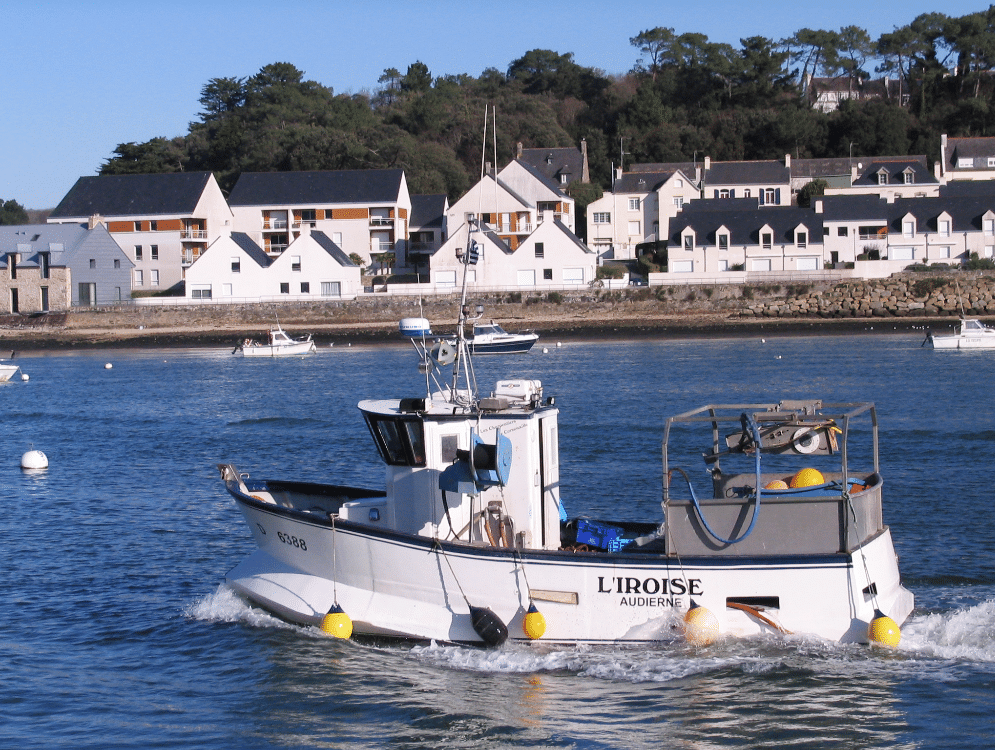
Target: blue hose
[{"x": 756, "y": 509}]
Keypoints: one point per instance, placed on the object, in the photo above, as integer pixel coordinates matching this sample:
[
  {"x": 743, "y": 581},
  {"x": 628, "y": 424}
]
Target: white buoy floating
[
  {"x": 24, "y": 377},
  {"x": 108, "y": 366},
  {"x": 34, "y": 460},
  {"x": 558, "y": 344},
  {"x": 545, "y": 350}
]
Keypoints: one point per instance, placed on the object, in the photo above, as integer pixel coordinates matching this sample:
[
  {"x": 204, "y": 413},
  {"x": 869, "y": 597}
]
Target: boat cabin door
[{"x": 549, "y": 484}]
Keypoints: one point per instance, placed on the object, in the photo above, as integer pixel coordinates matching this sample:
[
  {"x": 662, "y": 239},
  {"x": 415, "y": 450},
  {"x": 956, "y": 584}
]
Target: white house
[
  {"x": 163, "y": 222},
  {"x": 966, "y": 158},
  {"x": 551, "y": 257},
  {"x": 364, "y": 211},
  {"x": 638, "y": 210},
  {"x": 235, "y": 268}
]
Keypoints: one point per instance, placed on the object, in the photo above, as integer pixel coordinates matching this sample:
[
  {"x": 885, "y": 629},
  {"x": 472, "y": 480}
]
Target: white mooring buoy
[
  {"x": 24, "y": 377},
  {"x": 108, "y": 366},
  {"x": 34, "y": 460}
]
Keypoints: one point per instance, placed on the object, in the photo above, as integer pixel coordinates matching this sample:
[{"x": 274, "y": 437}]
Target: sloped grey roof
[
  {"x": 251, "y": 249},
  {"x": 744, "y": 224},
  {"x": 57, "y": 239},
  {"x": 547, "y": 181},
  {"x": 967, "y": 188},
  {"x": 133, "y": 195},
  {"x": 821, "y": 167},
  {"x": 555, "y": 162},
  {"x": 332, "y": 249},
  {"x": 853, "y": 207},
  {"x": 747, "y": 173},
  {"x": 427, "y": 211},
  {"x": 641, "y": 182},
  {"x": 969, "y": 148},
  {"x": 316, "y": 188},
  {"x": 895, "y": 166}
]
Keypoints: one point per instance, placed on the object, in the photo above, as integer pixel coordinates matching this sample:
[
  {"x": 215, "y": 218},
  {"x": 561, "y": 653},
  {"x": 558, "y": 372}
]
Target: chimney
[
  {"x": 519, "y": 150},
  {"x": 787, "y": 160},
  {"x": 95, "y": 221},
  {"x": 708, "y": 163},
  {"x": 818, "y": 206}
]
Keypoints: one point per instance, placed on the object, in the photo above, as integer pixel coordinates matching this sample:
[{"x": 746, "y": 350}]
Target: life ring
[{"x": 805, "y": 440}]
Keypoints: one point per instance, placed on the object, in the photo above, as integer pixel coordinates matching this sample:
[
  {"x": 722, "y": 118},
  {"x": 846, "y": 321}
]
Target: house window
[
  {"x": 284, "y": 287},
  {"x": 801, "y": 239},
  {"x": 678, "y": 201},
  {"x": 154, "y": 277},
  {"x": 331, "y": 288},
  {"x": 682, "y": 266},
  {"x": 965, "y": 163},
  {"x": 236, "y": 265},
  {"x": 908, "y": 229},
  {"x": 563, "y": 179},
  {"x": 989, "y": 225},
  {"x": 138, "y": 252},
  {"x": 295, "y": 263},
  {"x": 308, "y": 216},
  {"x": 910, "y": 178},
  {"x": 117, "y": 263},
  {"x": 305, "y": 287},
  {"x": 882, "y": 178},
  {"x": 678, "y": 183},
  {"x": 634, "y": 229},
  {"x": 155, "y": 252},
  {"x": 688, "y": 243},
  {"x": 770, "y": 196},
  {"x": 93, "y": 262},
  {"x": 723, "y": 242},
  {"x": 767, "y": 240},
  {"x": 603, "y": 218},
  {"x": 43, "y": 264},
  {"x": 138, "y": 226},
  {"x": 944, "y": 227},
  {"x": 12, "y": 265},
  {"x": 991, "y": 161},
  {"x": 633, "y": 204},
  {"x": 138, "y": 277},
  {"x": 747, "y": 193},
  {"x": 547, "y": 274},
  {"x": 527, "y": 277},
  {"x": 202, "y": 291},
  {"x": 842, "y": 231},
  {"x": 153, "y": 226},
  {"x": 724, "y": 193},
  {"x": 540, "y": 250}
]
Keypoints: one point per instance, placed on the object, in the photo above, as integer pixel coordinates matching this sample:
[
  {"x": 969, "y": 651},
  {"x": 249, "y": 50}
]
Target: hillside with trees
[{"x": 685, "y": 97}]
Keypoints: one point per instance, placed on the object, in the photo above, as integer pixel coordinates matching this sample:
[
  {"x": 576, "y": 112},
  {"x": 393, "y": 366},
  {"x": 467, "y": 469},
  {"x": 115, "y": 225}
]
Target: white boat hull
[
  {"x": 971, "y": 334},
  {"x": 7, "y": 372},
  {"x": 287, "y": 350},
  {"x": 401, "y": 585}
]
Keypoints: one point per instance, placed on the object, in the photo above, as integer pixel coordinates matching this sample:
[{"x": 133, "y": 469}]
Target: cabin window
[{"x": 401, "y": 442}]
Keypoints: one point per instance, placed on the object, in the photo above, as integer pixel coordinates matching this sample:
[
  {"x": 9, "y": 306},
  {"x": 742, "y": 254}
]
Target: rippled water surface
[{"x": 117, "y": 631}]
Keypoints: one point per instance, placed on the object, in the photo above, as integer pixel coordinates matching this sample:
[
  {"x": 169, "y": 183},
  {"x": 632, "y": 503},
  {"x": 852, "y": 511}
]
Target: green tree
[
  {"x": 418, "y": 78},
  {"x": 655, "y": 45},
  {"x": 12, "y": 212},
  {"x": 811, "y": 190}
]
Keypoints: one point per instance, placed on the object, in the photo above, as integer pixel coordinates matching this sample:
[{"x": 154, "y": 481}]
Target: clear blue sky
[{"x": 81, "y": 76}]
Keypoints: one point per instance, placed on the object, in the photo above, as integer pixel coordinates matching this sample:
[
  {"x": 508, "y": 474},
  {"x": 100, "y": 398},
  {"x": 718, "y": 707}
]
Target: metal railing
[
  {"x": 275, "y": 224},
  {"x": 193, "y": 234}
]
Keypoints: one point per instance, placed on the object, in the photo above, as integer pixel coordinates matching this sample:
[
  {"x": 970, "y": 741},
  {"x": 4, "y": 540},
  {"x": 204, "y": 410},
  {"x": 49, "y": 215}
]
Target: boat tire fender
[{"x": 805, "y": 440}]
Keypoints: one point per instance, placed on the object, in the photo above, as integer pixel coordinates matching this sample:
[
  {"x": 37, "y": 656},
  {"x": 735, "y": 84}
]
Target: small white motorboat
[
  {"x": 278, "y": 344},
  {"x": 970, "y": 333},
  {"x": 468, "y": 539},
  {"x": 490, "y": 338}
]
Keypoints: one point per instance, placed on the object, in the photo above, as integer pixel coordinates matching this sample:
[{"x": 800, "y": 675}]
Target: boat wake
[
  {"x": 966, "y": 633},
  {"x": 224, "y": 605}
]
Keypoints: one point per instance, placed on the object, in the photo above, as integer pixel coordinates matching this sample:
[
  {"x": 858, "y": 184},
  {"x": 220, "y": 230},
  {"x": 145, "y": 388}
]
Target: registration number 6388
[{"x": 293, "y": 541}]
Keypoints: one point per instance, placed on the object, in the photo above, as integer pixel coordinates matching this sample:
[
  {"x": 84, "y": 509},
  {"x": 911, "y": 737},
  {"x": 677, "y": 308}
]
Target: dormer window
[
  {"x": 965, "y": 163},
  {"x": 801, "y": 239},
  {"x": 943, "y": 227},
  {"x": 689, "y": 243},
  {"x": 908, "y": 228},
  {"x": 723, "y": 242},
  {"x": 882, "y": 178},
  {"x": 909, "y": 177}
]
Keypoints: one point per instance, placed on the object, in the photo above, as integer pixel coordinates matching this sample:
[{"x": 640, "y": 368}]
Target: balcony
[
  {"x": 275, "y": 250},
  {"x": 381, "y": 221},
  {"x": 298, "y": 223},
  {"x": 193, "y": 234},
  {"x": 274, "y": 224}
]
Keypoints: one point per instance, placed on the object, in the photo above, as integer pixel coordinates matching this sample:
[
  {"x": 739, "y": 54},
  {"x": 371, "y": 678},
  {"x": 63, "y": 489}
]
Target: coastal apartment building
[
  {"x": 365, "y": 212},
  {"x": 163, "y": 222}
]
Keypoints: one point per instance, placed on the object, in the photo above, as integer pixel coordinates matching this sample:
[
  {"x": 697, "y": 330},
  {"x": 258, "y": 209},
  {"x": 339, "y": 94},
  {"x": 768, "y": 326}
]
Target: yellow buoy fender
[
  {"x": 337, "y": 623},
  {"x": 777, "y": 484},
  {"x": 883, "y": 630},
  {"x": 807, "y": 478},
  {"x": 701, "y": 627},
  {"x": 534, "y": 623}
]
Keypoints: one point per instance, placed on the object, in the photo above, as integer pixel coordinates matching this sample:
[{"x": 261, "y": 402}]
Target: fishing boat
[
  {"x": 490, "y": 338},
  {"x": 970, "y": 333},
  {"x": 468, "y": 540},
  {"x": 278, "y": 344}
]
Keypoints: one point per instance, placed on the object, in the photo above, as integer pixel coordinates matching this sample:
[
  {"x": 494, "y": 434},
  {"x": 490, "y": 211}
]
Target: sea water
[{"x": 117, "y": 630}]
